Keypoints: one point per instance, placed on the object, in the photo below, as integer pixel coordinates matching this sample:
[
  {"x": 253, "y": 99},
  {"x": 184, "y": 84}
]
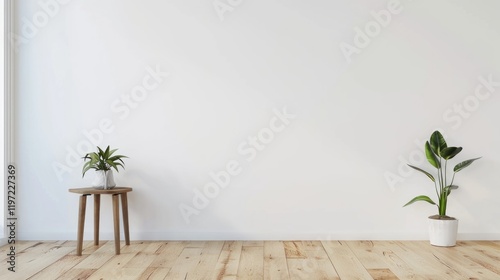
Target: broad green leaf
[
  {"x": 106, "y": 153},
  {"x": 94, "y": 157},
  {"x": 85, "y": 170},
  {"x": 437, "y": 142},
  {"x": 464, "y": 164},
  {"x": 423, "y": 171},
  {"x": 116, "y": 166},
  {"x": 447, "y": 190},
  {"x": 112, "y": 164},
  {"x": 450, "y": 152},
  {"x": 420, "y": 198},
  {"x": 117, "y": 157},
  {"x": 431, "y": 157}
]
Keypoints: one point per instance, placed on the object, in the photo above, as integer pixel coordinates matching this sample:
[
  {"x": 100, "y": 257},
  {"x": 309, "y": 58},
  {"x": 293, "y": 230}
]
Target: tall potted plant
[
  {"x": 102, "y": 162},
  {"x": 442, "y": 228}
]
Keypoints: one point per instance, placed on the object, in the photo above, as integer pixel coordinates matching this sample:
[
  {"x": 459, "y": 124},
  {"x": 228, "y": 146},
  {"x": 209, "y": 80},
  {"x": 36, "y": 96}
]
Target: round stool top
[{"x": 115, "y": 190}]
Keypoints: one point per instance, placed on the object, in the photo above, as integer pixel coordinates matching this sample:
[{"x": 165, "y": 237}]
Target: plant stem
[
  {"x": 445, "y": 173},
  {"x": 437, "y": 194},
  {"x": 442, "y": 177},
  {"x": 436, "y": 189},
  {"x": 453, "y": 178},
  {"x": 442, "y": 204}
]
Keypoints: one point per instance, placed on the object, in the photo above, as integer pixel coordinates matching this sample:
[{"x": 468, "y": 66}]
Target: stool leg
[
  {"x": 97, "y": 211},
  {"x": 116, "y": 219},
  {"x": 125, "y": 217},
  {"x": 81, "y": 223}
]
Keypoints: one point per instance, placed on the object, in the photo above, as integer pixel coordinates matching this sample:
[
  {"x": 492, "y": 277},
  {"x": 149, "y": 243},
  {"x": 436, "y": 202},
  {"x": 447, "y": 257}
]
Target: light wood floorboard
[{"x": 268, "y": 260}]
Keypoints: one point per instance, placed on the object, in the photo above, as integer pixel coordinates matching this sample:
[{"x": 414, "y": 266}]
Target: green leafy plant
[
  {"x": 102, "y": 160},
  {"x": 438, "y": 154}
]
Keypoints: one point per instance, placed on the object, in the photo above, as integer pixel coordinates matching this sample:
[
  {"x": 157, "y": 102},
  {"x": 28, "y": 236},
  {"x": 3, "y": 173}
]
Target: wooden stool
[{"x": 97, "y": 203}]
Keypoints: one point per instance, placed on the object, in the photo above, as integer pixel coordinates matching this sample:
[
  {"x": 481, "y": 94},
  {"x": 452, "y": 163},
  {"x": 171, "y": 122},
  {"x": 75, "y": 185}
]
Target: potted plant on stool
[
  {"x": 102, "y": 162},
  {"x": 442, "y": 228}
]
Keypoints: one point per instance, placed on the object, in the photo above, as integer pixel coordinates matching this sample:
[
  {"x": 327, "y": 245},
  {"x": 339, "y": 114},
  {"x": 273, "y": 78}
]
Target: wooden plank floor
[{"x": 255, "y": 260}]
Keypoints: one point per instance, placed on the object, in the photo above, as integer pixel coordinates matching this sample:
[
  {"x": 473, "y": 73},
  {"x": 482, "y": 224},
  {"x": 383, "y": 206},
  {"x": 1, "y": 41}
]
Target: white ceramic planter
[
  {"x": 102, "y": 181},
  {"x": 443, "y": 232}
]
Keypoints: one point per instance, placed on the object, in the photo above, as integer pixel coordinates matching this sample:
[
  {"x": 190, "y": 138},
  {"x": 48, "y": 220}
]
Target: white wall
[{"x": 324, "y": 175}]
